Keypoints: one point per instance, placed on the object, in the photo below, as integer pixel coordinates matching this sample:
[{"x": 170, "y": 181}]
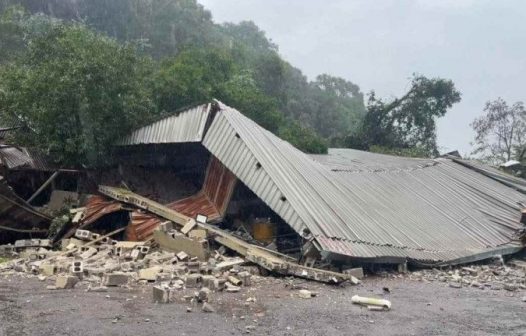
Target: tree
[
  {"x": 77, "y": 92},
  {"x": 339, "y": 106},
  {"x": 303, "y": 138},
  {"x": 501, "y": 132},
  {"x": 192, "y": 77},
  {"x": 408, "y": 121}
]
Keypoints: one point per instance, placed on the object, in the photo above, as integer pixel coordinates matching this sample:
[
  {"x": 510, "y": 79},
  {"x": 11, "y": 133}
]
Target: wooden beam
[{"x": 43, "y": 186}]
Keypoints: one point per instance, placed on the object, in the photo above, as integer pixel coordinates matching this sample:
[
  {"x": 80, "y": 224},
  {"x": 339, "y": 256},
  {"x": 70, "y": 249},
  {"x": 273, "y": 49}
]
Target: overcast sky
[{"x": 478, "y": 44}]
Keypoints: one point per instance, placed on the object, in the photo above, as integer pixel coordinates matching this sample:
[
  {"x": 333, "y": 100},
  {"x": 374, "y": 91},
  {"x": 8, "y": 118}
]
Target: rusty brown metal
[{"x": 211, "y": 201}]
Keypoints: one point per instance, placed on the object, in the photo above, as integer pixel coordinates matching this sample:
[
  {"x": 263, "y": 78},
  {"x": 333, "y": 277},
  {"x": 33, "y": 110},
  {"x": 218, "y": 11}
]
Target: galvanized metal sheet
[
  {"x": 186, "y": 126},
  {"x": 378, "y": 204}
]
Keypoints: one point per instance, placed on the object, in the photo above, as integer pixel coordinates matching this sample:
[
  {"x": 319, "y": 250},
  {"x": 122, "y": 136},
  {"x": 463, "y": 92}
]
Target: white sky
[{"x": 478, "y": 44}]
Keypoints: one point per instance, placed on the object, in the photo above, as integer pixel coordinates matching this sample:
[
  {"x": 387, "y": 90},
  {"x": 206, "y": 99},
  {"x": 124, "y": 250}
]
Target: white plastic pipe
[{"x": 385, "y": 304}]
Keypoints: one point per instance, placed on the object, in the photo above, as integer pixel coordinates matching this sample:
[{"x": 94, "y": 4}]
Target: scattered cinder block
[
  {"x": 115, "y": 279},
  {"x": 149, "y": 274},
  {"x": 209, "y": 281},
  {"x": 66, "y": 281},
  {"x": 356, "y": 272},
  {"x": 161, "y": 294},
  {"x": 194, "y": 266},
  {"x": 94, "y": 236},
  {"x": 245, "y": 278},
  {"x": 193, "y": 280},
  {"x": 47, "y": 269},
  {"x": 77, "y": 268},
  {"x": 197, "y": 234},
  {"x": 83, "y": 234},
  {"x": 87, "y": 252},
  {"x": 182, "y": 256}
]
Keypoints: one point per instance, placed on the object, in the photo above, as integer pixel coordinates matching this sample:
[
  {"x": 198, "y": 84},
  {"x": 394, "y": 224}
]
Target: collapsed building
[{"x": 341, "y": 209}]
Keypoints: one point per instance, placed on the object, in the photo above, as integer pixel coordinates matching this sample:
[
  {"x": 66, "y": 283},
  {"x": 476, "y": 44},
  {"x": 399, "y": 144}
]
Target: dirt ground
[{"x": 28, "y": 308}]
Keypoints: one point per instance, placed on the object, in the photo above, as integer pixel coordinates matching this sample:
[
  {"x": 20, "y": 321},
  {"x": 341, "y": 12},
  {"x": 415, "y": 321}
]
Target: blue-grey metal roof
[{"x": 371, "y": 205}]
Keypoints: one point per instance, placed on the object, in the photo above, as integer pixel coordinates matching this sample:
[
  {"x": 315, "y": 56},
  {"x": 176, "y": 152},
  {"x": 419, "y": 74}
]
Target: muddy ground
[{"x": 28, "y": 308}]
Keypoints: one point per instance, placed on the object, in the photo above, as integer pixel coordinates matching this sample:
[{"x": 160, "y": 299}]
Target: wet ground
[{"x": 28, "y": 308}]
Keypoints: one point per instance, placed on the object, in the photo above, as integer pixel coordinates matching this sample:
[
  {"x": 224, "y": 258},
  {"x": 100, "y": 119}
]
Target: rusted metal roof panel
[
  {"x": 376, "y": 205},
  {"x": 186, "y": 126},
  {"x": 211, "y": 201}
]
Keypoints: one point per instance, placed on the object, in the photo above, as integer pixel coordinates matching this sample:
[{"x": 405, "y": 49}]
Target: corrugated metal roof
[
  {"x": 186, "y": 126},
  {"x": 346, "y": 159},
  {"x": 496, "y": 174},
  {"x": 13, "y": 157},
  {"x": 422, "y": 209}
]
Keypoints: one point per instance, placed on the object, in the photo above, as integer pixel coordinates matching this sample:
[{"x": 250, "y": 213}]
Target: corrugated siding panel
[{"x": 187, "y": 126}]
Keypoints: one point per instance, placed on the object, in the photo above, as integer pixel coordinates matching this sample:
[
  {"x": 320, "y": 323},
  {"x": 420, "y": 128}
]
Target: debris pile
[
  {"x": 97, "y": 262},
  {"x": 495, "y": 276}
]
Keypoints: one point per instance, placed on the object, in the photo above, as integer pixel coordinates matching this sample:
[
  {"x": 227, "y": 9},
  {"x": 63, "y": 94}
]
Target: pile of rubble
[
  {"x": 495, "y": 276},
  {"x": 96, "y": 263}
]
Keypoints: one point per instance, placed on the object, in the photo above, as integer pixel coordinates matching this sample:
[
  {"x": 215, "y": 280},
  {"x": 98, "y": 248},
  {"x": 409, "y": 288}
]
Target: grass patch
[{"x": 3, "y": 260}]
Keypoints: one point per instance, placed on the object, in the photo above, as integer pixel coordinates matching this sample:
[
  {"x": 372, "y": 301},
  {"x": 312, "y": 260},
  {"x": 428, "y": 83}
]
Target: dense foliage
[
  {"x": 81, "y": 73},
  {"x": 197, "y": 59},
  {"x": 75, "y": 92},
  {"x": 407, "y": 124}
]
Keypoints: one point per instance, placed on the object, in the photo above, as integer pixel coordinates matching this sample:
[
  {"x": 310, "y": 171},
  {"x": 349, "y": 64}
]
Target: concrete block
[
  {"x": 66, "y": 281},
  {"x": 179, "y": 270},
  {"x": 94, "y": 236},
  {"x": 179, "y": 242},
  {"x": 209, "y": 281},
  {"x": 87, "y": 252},
  {"x": 245, "y": 278},
  {"x": 197, "y": 234},
  {"x": 47, "y": 269},
  {"x": 194, "y": 266},
  {"x": 83, "y": 234},
  {"x": 135, "y": 254},
  {"x": 127, "y": 266},
  {"x": 220, "y": 284},
  {"x": 77, "y": 267},
  {"x": 356, "y": 272},
  {"x": 193, "y": 280},
  {"x": 149, "y": 274},
  {"x": 305, "y": 294},
  {"x": 115, "y": 279},
  {"x": 182, "y": 256},
  {"x": 94, "y": 271},
  {"x": 161, "y": 294}
]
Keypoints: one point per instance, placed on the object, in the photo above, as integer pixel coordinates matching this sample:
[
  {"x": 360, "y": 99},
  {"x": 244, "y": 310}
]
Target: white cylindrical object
[{"x": 385, "y": 304}]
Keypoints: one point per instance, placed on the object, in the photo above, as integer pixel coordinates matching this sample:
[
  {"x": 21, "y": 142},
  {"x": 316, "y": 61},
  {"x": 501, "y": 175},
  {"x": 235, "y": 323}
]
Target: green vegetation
[
  {"x": 3, "y": 260},
  {"x": 80, "y": 74},
  {"x": 407, "y": 125}
]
